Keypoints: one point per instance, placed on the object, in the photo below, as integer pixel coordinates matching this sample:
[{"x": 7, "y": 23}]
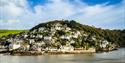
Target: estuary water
[{"x": 117, "y": 56}]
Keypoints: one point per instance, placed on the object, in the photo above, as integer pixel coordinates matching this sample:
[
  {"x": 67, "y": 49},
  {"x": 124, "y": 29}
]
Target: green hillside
[{"x": 7, "y": 32}]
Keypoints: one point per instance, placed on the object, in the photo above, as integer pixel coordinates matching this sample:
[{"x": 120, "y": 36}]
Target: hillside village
[{"x": 57, "y": 36}]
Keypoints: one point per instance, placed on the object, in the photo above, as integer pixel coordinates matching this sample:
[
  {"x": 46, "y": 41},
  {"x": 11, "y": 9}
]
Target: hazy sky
[{"x": 25, "y": 14}]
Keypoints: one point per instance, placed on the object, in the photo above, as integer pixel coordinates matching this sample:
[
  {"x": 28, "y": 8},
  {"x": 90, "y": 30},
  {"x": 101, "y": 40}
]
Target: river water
[{"x": 117, "y": 56}]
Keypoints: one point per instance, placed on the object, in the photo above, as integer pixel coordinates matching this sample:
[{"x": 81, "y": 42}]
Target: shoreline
[{"x": 36, "y": 53}]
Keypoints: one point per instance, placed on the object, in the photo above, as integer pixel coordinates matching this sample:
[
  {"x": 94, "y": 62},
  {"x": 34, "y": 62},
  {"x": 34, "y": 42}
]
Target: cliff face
[{"x": 55, "y": 34}]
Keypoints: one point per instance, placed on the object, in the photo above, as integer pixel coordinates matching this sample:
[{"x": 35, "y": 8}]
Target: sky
[{"x": 25, "y": 14}]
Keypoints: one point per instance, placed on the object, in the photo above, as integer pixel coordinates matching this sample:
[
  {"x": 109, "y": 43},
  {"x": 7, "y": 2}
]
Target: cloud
[
  {"x": 12, "y": 7},
  {"x": 100, "y": 15},
  {"x": 12, "y": 10},
  {"x": 10, "y": 21},
  {"x": 94, "y": 10}
]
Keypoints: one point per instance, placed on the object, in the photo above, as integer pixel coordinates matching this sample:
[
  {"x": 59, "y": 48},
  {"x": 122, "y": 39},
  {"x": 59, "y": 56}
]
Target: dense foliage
[{"x": 113, "y": 36}]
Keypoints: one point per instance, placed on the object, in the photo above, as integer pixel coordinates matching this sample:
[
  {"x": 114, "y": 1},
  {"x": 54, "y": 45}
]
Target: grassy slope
[{"x": 7, "y": 32}]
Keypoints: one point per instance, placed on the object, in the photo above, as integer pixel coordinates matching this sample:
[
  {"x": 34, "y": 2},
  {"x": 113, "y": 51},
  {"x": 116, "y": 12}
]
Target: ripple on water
[{"x": 117, "y": 56}]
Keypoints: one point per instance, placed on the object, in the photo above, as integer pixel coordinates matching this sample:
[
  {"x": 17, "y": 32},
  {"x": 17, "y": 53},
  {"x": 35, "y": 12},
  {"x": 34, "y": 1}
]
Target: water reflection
[{"x": 109, "y": 57}]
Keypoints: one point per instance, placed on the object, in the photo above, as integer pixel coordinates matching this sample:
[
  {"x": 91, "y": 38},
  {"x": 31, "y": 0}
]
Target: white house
[
  {"x": 25, "y": 35},
  {"x": 52, "y": 49},
  {"x": 67, "y": 29},
  {"x": 47, "y": 37},
  {"x": 39, "y": 36},
  {"x": 58, "y": 28},
  {"x": 31, "y": 40},
  {"x": 14, "y": 46},
  {"x": 66, "y": 48},
  {"x": 104, "y": 43},
  {"x": 75, "y": 35},
  {"x": 10, "y": 40},
  {"x": 2, "y": 46},
  {"x": 78, "y": 33}
]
